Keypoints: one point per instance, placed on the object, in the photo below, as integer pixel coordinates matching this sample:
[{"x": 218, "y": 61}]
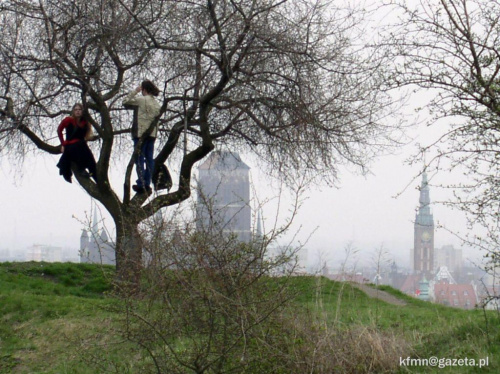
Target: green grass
[
  {"x": 43, "y": 307},
  {"x": 61, "y": 318},
  {"x": 432, "y": 329}
]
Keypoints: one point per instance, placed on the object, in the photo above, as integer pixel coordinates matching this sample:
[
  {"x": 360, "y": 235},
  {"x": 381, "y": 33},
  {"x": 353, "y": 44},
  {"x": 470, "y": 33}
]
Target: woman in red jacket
[{"x": 74, "y": 148}]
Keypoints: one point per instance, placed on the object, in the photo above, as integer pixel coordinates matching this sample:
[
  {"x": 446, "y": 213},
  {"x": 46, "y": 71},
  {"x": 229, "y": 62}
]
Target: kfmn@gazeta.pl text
[{"x": 442, "y": 363}]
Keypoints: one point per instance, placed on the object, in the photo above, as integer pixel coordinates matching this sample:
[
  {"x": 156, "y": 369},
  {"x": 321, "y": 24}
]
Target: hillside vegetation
[{"x": 65, "y": 318}]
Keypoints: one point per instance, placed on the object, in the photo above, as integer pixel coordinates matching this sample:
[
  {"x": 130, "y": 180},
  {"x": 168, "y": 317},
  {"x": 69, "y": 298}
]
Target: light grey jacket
[{"x": 148, "y": 109}]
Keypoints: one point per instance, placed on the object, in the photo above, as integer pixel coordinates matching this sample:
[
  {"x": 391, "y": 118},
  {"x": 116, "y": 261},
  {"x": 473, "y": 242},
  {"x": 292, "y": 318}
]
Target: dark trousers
[{"x": 144, "y": 162}]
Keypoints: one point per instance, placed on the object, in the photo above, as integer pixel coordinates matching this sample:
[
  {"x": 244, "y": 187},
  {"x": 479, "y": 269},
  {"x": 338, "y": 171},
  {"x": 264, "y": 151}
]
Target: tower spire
[
  {"x": 424, "y": 215},
  {"x": 423, "y": 252},
  {"x": 259, "y": 225},
  {"x": 94, "y": 223}
]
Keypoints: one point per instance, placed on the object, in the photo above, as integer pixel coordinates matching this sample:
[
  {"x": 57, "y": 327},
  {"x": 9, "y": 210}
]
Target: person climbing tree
[
  {"x": 75, "y": 149},
  {"x": 147, "y": 110}
]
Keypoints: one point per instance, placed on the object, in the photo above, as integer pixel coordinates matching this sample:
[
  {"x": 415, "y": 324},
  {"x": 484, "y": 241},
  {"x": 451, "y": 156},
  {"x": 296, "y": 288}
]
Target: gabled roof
[
  {"x": 444, "y": 274},
  {"x": 104, "y": 236},
  {"x": 223, "y": 160}
]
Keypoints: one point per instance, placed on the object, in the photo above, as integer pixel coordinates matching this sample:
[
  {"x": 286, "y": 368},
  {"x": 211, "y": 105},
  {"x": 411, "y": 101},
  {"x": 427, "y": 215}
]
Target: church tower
[
  {"x": 224, "y": 195},
  {"x": 84, "y": 241},
  {"x": 423, "y": 252}
]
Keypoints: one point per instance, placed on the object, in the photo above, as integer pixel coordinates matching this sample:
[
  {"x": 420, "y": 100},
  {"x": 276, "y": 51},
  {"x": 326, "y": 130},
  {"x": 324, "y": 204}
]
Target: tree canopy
[{"x": 289, "y": 81}]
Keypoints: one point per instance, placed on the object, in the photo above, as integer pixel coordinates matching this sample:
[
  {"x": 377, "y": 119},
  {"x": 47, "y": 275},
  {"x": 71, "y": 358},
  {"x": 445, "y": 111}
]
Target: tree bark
[{"x": 129, "y": 261}]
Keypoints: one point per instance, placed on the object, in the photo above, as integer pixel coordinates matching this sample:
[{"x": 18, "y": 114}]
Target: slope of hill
[{"x": 63, "y": 318}]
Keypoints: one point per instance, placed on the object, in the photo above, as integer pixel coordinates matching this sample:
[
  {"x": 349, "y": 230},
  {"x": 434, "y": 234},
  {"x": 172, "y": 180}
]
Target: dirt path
[{"x": 378, "y": 294}]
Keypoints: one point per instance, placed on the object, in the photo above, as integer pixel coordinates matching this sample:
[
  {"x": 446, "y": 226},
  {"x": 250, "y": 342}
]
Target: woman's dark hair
[{"x": 150, "y": 88}]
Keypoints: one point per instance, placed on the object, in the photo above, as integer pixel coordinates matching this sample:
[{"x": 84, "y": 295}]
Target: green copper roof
[{"x": 424, "y": 216}]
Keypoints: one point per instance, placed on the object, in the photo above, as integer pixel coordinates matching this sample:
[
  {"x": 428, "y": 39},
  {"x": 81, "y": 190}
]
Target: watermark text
[{"x": 442, "y": 363}]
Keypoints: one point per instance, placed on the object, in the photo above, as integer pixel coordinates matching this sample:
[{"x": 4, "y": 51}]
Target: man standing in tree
[{"x": 147, "y": 110}]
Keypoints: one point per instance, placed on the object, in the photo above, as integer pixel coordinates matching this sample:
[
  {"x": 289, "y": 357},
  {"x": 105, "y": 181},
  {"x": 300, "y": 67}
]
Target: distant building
[
  {"x": 489, "y": 297},
  {"x": 95, "y": 246},
  {"x": 224, "y": 195},
  {"x": 456, "y": 295},
  {"x": 448, "y": 292},
  {"x": 396, "y": 278},
  {"x": 46, "y": 253},
  {"x": 450, "y": 257},
  {"x": 444, "y": 275},
  {"x": 423, "y": 251},
  {"x": 431, "y": 279}
]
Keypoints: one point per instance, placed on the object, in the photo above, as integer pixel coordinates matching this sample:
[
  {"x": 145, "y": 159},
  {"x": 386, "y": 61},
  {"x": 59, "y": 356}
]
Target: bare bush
[
  {"x": 316, "y": 346},
  {"x": 207, "y": 303}
]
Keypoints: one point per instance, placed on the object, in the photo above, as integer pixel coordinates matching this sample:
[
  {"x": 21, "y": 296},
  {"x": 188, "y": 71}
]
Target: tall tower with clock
[{"x": 423, "y": 253}]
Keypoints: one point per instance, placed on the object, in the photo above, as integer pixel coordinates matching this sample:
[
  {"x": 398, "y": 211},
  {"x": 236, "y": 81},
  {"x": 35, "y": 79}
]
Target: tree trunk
[{"x": 129, "y": 260}]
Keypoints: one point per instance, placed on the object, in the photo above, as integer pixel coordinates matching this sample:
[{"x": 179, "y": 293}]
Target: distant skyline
[
  {"x": 368, "y": 211},
  {"x": 43, "y": 209}
]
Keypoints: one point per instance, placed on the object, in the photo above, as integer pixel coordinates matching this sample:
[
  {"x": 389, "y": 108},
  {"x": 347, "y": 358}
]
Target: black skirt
[{"x": 81, "y": 155}]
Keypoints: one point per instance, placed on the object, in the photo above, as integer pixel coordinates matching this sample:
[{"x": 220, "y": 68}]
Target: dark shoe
[
  {"x": 146, "y": 189},
  {"x": 138, "y": 189}
]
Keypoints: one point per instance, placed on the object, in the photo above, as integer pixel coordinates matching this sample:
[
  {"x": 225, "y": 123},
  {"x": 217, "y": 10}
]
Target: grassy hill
[{"x": 63, "y": 318}]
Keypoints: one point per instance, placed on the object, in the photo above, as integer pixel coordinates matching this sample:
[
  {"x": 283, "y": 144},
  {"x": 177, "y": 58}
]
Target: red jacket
[{"x": 74, "y": 133}]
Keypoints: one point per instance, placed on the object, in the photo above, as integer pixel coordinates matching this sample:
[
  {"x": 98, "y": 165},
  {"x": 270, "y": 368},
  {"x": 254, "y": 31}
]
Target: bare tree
[
  {"x": 277, "y": 78},
  {"x": 452, "y": 47},
  {"x": 209, "y": 302}
]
